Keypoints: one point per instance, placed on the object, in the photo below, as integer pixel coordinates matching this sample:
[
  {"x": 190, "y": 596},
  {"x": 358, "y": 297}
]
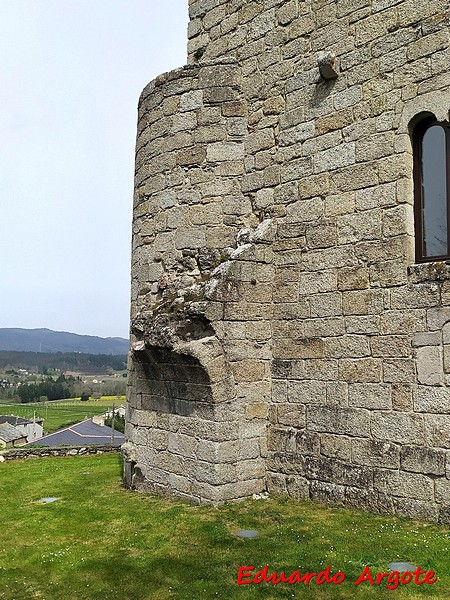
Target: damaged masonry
[{"x": 286, "y": 332}]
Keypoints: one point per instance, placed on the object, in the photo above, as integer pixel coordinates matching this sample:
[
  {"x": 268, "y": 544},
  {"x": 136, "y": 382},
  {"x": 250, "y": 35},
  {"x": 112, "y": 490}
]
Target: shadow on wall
[{"x": 170, "y": 382}]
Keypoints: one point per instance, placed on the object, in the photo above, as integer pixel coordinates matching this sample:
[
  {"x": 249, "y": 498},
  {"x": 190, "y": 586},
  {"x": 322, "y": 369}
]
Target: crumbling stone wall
[
  {"x": 274, "y": 256},
  {"x": 200, "y": 366}
]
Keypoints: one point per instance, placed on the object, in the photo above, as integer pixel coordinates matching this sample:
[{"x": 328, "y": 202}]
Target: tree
[
  {"x": 84, "y": 397},
  {"x": 119, "y": 423},
  {"x": 49, "y": 388}
]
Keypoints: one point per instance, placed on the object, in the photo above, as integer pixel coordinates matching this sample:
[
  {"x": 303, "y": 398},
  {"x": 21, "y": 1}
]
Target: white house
[{"x": 32, "y": 429}]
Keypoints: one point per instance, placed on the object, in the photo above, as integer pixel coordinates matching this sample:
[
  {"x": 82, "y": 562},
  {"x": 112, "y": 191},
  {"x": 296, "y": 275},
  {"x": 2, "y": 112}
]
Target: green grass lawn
[
  {"x": 61, "y": 413},
  {"x": 101, "y": 541}
]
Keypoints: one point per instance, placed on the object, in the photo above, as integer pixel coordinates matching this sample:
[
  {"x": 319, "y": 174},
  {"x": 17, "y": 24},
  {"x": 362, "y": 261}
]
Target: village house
[
  {"x": 32, "y": 429},
  {"x": 11, "y": 437},
  {"x": 90, "y": 432}
]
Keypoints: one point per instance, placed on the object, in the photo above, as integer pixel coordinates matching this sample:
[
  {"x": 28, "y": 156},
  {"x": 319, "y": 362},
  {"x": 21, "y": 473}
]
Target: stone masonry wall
[
  {"x": 199, "y": 384},
  {"x": 274, "y": 250}
]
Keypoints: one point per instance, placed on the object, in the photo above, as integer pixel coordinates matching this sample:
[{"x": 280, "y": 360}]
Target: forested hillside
[
  {"x": 42, "y": 362},
  {"x": 46, "y": 340}
]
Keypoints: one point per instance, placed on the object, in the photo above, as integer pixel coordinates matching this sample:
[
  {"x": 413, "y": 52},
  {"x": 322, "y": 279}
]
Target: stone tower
[{"x": 290, "y": 312}]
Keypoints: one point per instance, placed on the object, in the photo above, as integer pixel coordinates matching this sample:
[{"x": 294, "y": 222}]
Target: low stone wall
[{"x": 18, "y": 453}]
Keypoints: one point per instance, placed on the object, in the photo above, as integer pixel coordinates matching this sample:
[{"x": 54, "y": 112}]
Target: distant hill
[
  {"x": 46, "y": 340},
  {"x": 78, "y": 362}
]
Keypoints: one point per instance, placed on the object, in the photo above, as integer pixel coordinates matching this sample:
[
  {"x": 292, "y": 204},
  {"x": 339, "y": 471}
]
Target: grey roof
[
  {"x": 85, "y": 433},
  {"x": 8, "y": 433},
  {"x": 13, "y": 420}
]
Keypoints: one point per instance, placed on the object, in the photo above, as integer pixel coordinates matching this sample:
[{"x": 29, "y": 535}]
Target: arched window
[{"x": 431, "y": 143}]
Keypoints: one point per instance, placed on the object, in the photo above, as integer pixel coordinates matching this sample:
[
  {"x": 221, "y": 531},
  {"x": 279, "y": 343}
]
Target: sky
[{"x": 71, "y": 72}]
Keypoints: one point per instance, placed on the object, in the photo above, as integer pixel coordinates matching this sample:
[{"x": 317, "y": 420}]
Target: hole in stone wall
[
  {"x": 196, "y": 329},
  {"x": 171, "y": 382}
]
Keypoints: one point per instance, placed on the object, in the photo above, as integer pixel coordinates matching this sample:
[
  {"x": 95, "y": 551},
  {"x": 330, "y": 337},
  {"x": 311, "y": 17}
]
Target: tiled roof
[
  {"x": 13, "y": 420},
  {"x": 85, "y": 433},
  {"x": 8, "y": 433}
]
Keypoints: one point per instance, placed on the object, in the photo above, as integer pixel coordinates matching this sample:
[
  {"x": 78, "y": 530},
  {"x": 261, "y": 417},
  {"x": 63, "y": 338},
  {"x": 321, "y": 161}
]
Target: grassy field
[
  {"x": 61, "y": 413},
  {"x": 101, "y": 541}
]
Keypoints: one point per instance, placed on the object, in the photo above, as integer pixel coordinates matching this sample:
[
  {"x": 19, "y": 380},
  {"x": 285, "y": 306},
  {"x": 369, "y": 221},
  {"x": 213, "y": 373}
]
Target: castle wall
[{"x": 274, "y": 234}]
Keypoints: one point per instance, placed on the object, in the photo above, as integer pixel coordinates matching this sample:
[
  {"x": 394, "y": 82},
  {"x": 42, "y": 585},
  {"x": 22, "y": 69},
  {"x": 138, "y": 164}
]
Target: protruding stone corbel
[
  {"x": 138, "y": 346},
  {"x": 328, "y": 66}
]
